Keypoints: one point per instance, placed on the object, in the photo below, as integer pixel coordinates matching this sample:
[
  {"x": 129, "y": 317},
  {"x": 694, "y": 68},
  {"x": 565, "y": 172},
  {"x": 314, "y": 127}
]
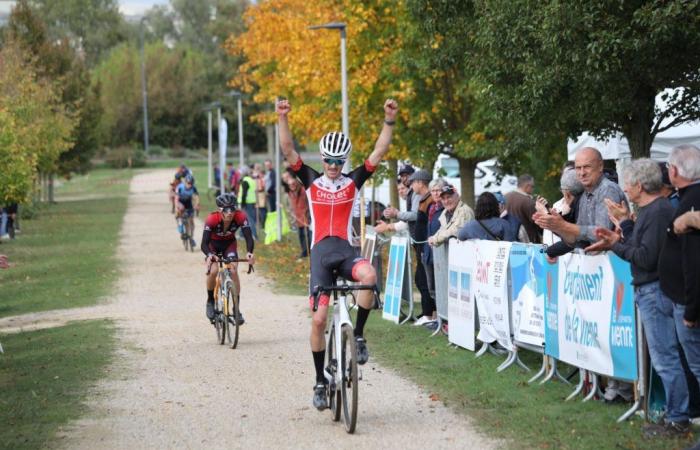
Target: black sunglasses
[{"x": 331, "y": 161}]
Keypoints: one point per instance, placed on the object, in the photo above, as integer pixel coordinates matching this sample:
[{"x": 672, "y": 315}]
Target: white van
[{"x": 485, "y": 179}]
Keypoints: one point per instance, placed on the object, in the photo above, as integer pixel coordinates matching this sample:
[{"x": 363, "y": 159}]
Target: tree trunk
[
  {"x": 638, "y": 129},
  {"x": 50, "y": 189},
  {"x": 466, "y": 177},
  {"x": 393, "y": 190}
]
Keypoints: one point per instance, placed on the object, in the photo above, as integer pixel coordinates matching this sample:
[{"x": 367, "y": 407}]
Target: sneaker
[
  {"x": 432, "y": 325},
  {"x": 210, "y": 311},
  {"x": 362, "y": 352},
  {"x": 668, "y": 429},
  {"x": 240, "y": 320},
  {"x": 422, "y": 321},
  {"x": 320, "y": 401}
]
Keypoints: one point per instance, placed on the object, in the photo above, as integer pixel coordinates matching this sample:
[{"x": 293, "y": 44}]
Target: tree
[
  {"x": 175, "y": 94},
  {"x": 91, "y": 27},
  {"x": 447, "y": 114},
  {"x": 577, "y": 66},
  {"x": 279, "y": 61},
  {"x": 36, "y": 128}
]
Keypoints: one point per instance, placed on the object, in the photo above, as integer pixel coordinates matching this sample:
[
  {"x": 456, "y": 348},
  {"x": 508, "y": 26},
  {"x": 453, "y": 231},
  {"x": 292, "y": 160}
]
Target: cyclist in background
[
  {"x": 187, "y": 202},
  {"x": 219, "y": 238},
  {"x": 331, "y": 195},
  {"x": 182, "y": 171}
]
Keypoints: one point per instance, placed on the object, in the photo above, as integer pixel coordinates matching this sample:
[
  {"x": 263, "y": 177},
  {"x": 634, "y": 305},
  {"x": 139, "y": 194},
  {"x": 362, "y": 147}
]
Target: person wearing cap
[
  {"x": 455, "y": 214},
  {"x": 418, "y": 216},
  {"x": 667, "y": 189}
]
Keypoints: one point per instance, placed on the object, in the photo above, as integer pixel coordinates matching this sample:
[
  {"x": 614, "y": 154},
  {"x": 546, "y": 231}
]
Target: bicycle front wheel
[
  {"x": 220, "y": 321},
  {"x": 334, "y": 399},
  {"x": 232, "y": 314},
  {"x": 349, "y": 387}
]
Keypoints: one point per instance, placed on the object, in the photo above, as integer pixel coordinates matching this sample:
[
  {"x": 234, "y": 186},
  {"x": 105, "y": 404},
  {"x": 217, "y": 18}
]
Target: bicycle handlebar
[
  {"x": 221, "y": 260},
  {"x": 343, "y": 288}
]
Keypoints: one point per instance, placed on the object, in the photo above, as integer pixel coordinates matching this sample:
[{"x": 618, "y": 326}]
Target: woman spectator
[{"x": 487, "y": 223}]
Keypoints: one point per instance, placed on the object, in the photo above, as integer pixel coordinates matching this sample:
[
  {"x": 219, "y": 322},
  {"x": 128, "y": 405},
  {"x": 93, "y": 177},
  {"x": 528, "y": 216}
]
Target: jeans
[
  {"x": 304, "y": 240},
  {"x": 689, "y": 339},
  {"x": 250, "y": 212},
  {"x": 656, "y": 313}
]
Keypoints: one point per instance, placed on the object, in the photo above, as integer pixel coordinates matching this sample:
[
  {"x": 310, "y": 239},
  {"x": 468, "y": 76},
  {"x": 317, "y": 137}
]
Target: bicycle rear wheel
[
  {"x": 232, "y": 325},
  {"x": 334, "y": 400},
  {"x": 349, "y": 387}
]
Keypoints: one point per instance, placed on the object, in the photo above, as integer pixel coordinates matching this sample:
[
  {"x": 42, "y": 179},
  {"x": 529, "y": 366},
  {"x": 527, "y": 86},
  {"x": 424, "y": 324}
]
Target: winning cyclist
[
  {"x": 187, "y": 202},
  {"x": 331, "y": 195},
  {"x": 219, "y": 237}
]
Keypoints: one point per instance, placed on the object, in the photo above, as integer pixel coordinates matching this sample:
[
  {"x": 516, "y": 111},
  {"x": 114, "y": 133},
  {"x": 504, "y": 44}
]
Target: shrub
[{"x": 125, "y": 156}]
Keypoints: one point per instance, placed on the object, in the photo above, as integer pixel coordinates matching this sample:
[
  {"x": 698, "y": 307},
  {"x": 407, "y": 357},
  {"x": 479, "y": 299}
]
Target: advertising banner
[
  {"x": 490, "y": 285},
  {"x": 441, "y": 270},
  {"x": 529, "y": 272},
  {"x": 395, "y": 278},
  {"x": 461, "y": 306},
  {"x": 594, "y": 316}
]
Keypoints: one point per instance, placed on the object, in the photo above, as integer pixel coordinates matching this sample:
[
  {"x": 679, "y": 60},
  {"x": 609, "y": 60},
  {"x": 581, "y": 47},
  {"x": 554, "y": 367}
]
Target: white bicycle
[{"x": 341, "y": 372}]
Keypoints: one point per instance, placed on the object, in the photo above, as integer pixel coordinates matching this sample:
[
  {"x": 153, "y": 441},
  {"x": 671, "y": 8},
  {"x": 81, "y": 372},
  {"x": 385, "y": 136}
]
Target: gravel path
[{"x": 172, "y": 386}]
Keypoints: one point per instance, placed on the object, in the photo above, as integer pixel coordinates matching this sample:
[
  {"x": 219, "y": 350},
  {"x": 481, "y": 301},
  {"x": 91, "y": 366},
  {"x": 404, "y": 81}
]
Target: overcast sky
[{"x": 127, "y": 7}]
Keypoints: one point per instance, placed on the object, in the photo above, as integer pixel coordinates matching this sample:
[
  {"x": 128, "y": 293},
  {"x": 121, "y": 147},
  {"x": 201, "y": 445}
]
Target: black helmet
[
  {"x": 189, "y": 179},
  {"x": 227, "y": 200}
]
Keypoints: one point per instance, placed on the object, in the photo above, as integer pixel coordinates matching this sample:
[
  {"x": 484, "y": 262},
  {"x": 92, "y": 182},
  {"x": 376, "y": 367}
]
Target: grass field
[
  {"x": 65, "y": 256},
  {"x": 45, "y": 376},
  {"x": 503, "y": 405}
]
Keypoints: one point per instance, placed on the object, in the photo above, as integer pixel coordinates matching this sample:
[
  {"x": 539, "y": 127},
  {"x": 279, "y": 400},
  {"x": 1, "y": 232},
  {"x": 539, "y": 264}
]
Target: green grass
[
  {"x": 46, "y": 375},
  {"x": 503, "y": 404},
  {"x": 65, "y": 257}
]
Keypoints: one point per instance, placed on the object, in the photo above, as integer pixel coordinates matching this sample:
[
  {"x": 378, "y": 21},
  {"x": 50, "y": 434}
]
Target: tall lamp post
[
  {"x": 144, "y": 91},
  {"x": 239, "y": 96},
  {"x": 343, "y": 76},
  {"x": 208, "y": 109},
  {"x": 340, "y": 26}
]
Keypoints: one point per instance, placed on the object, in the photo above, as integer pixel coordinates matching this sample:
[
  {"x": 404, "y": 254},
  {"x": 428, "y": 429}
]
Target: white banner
[
  {"x": 395, "y": 278},
  {"x": 595, "y": 319},
  {"x": 461, "y": 308},
  {"x": 490, "y": 285},
  {"x": 223, "y": 136}
]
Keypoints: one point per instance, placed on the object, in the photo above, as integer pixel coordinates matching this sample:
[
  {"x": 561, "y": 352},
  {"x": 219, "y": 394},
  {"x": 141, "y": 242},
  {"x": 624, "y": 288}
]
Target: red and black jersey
[
  {"x": 215, "y": 225},
  {"x": 214, "y": 230},
  {"x": 331, "y": 201}
]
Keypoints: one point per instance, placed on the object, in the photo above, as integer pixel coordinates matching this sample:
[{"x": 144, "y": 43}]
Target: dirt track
[{"x": 173, "y": 387}]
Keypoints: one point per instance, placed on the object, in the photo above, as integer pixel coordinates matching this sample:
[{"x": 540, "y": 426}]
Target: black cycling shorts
[
  {"x": 329, "y": 254},
  {"x": 227, "y": 248}
]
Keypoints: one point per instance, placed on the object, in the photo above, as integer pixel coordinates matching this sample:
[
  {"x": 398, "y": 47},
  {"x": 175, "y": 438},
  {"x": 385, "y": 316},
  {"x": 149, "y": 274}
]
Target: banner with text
[
  {"x": 395, "y": 278},
  {"x": 530, "y": 276},
  {"x": 490, "y": 286},
  {"x": 461, "y": 306},
  {"x": 591, "y": 322}
]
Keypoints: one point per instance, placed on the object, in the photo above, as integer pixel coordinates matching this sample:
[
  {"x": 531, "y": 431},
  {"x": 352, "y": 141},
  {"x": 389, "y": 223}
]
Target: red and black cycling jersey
[
  {"x": 214, "y": 230},
  {"x": 330, "y": 201}
]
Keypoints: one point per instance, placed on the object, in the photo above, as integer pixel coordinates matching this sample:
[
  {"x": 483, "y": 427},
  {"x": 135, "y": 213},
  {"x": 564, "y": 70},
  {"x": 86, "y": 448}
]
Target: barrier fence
[{"x": 507, "y": 296}]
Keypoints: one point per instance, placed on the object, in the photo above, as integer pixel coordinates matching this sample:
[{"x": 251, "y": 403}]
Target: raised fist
[
  {"x": 282, "y": 107},
  {"x": 391, "y": 108}
]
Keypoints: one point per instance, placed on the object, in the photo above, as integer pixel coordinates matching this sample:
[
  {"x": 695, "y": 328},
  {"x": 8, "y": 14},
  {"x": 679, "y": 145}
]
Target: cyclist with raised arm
[
  {"x": 331, "y": 195},
  {"x": 187, "y": 202},
  {"x": 219, "y": 238}
]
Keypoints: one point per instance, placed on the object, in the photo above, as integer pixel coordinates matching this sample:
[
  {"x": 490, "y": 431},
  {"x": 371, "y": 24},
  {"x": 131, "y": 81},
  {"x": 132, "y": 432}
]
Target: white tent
[{"x": 618, "y": 148}]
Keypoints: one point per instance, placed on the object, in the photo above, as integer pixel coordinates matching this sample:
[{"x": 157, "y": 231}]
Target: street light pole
[
  {"x": 239, "y": 96},
  {"x": 144, "y": 92}
]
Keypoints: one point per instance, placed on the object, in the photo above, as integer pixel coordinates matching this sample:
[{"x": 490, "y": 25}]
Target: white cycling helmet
[{"x": 335, "y": 145}]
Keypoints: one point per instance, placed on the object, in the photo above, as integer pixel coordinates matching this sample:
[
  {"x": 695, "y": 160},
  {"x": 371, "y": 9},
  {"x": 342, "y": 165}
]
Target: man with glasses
[
  {"x": 219, "y": 238},
  {"x": 331, "y": 195}
]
